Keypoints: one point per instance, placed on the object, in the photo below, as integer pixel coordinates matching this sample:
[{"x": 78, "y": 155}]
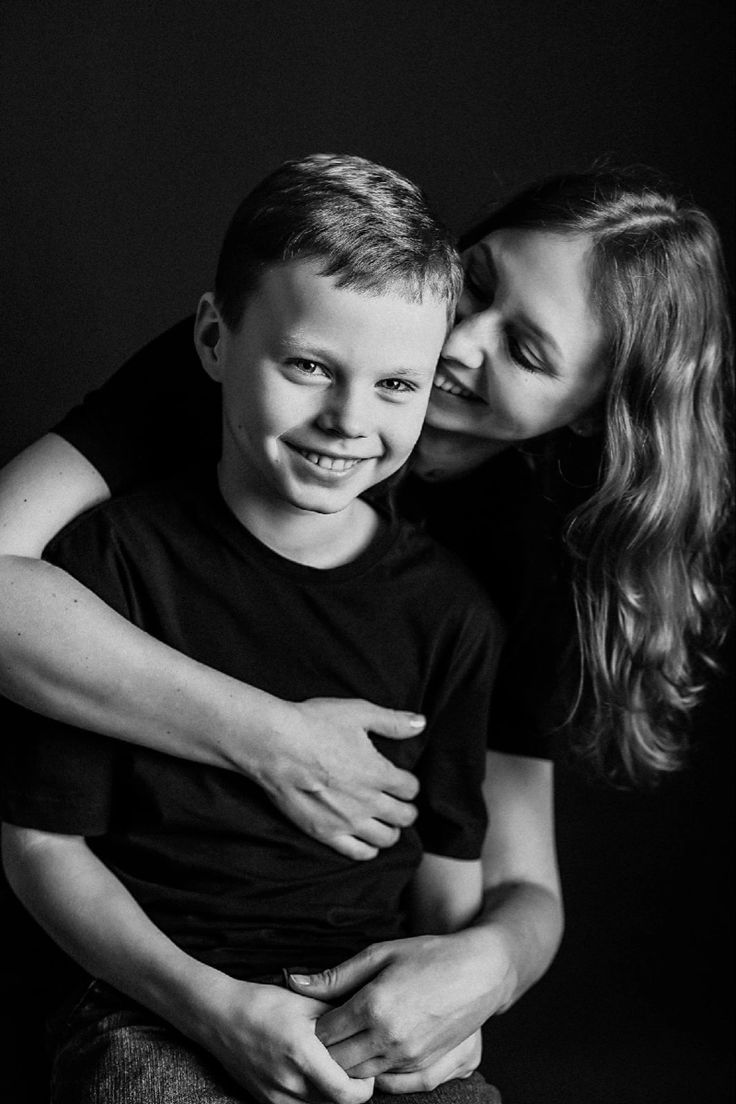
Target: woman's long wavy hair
[{"x": 647, "y": 547}]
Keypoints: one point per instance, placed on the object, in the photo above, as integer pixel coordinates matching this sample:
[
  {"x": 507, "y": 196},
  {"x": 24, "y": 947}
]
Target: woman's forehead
[{"x": 544, "y": 278}]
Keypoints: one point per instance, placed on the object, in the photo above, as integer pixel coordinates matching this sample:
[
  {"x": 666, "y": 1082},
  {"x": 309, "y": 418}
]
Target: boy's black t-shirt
[
  {"x": 161, "y": 410},
  {"x": 211, "y": 860}
]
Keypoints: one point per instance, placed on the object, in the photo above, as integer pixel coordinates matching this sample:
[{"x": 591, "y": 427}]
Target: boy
[{"x": 180, "y": 887}]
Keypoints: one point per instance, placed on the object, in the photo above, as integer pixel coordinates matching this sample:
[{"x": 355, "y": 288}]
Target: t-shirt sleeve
[
  {"x": 156, "y": 414},
  {"x": 452, "y": 818},
  {"x": 55, "y": 777}
]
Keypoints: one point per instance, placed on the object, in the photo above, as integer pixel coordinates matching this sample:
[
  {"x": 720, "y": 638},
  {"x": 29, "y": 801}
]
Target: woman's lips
[{"x": 445, "y": 382}]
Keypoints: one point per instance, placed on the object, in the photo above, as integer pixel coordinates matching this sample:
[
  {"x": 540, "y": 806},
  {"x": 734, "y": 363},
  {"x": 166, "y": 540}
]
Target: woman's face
[{"x": 526, "y": 354}]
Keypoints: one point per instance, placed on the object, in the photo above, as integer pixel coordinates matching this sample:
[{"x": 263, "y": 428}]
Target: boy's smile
[{"x": 325, "y": 389}]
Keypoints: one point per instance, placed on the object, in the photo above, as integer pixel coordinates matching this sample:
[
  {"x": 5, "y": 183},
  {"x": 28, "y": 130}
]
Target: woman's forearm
[
  {"x": 69, "y": 656},
  {"x": 65, "y": 654},
  {"x": 518, "y": 932},
  {"x": 522, "y": 916}
]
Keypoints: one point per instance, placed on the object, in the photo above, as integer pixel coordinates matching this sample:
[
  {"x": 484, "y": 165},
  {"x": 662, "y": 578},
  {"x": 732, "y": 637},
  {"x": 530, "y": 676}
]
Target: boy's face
[{"x": 324, "y": 388}]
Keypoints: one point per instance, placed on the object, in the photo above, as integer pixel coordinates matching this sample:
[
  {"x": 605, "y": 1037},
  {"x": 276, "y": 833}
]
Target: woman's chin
[
  {"x": 445, "y": 420},
  {"x": 441, "y": 421}
]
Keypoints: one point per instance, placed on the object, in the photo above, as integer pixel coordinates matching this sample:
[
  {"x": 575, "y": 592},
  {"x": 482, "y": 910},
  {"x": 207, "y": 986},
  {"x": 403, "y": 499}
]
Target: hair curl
[{"x": 647, "y": 546}]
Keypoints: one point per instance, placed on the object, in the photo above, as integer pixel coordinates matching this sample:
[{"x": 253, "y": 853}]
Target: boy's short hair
[{"x": 371, "y": 226}]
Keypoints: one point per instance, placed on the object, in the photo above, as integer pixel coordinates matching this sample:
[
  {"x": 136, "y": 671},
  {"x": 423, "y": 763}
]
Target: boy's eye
[
  {"x": 397, "y": 386},
  {"x": 310, "y": 368}
]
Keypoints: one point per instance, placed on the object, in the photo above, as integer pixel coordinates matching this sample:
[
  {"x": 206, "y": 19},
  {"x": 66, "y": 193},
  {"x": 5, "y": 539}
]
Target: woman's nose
[{"x": 468, "y": 343}]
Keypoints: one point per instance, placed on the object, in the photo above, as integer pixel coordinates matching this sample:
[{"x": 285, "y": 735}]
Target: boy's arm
[
  {"x": 66, "y": 654},
  {"x": 419, "y": 998},
  {"x": 262, "y": 1034}
]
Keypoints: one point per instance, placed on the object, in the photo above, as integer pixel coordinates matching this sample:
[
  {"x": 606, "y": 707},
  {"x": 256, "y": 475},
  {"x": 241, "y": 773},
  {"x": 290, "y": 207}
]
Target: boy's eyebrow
[
  {"x": 405, "y": 370},
  {"x": 300, "y": 345}
]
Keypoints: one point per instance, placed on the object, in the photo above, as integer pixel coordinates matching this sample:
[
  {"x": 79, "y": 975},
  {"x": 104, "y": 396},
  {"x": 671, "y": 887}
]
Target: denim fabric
[
  {"x": 465, "y": 1090},
  {"x": 108, "y": 1050}
]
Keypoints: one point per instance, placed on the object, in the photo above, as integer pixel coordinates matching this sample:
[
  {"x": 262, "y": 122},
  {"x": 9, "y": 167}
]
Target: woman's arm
[
  {"x": 65, "y": 654},
  {"x": 419, "y": 998},
  {"x": 262, "y": 1034},
  {"x": 446, "y": 894}
]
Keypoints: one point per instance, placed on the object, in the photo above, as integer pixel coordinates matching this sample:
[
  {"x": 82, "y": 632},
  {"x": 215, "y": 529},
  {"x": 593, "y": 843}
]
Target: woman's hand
[
  {"x": 327, "y": 777},
  {"x": 264, "y": 1036},
  {"x": 413, "y": 1002},
  {"x": 457, "y": 1063}
]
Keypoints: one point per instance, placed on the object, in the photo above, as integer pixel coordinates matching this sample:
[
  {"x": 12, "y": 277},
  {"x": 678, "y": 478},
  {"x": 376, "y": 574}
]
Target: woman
[{"x": 575, "y": 455}]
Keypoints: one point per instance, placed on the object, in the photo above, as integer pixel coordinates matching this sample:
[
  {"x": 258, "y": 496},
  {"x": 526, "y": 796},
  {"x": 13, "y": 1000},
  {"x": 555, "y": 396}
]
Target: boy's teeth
[{"x": 332, "y": 463}]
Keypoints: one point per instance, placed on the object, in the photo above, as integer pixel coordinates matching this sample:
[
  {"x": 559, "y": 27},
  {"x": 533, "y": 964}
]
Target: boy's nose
[{"x": 344, "y": 414}]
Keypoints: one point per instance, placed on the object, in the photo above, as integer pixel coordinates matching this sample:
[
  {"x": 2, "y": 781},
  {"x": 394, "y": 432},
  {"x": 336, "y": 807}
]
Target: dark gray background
[{"x": 131, "y": 131}]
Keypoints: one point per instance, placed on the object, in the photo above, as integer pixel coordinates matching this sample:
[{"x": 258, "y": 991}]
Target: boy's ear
[{"x": 208, "y": 334}]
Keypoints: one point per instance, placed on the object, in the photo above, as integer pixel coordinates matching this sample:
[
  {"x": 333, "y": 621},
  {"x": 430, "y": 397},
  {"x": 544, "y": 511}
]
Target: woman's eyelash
[{"x": 518, "y": 356}]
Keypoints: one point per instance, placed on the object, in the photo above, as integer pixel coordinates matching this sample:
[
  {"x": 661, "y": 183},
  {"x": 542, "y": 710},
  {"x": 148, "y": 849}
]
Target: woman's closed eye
[{"x": 525, "y": 359}]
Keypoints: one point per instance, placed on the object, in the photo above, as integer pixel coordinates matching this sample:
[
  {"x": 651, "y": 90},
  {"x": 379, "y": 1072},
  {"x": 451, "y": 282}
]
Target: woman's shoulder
[{"x": 159, "y": 409}]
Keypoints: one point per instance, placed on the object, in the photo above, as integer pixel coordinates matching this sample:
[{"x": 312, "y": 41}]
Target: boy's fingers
[
  {"x": 329, "y": 1078},
  {"x": 339, "y": 981}
]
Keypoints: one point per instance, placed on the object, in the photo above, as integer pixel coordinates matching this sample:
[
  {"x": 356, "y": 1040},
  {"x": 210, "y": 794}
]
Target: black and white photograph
[{"x": 366, "y": 552}]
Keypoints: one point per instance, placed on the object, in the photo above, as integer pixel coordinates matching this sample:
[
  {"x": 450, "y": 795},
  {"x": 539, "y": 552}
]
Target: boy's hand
[
  {"x": 417, "y": 1000},
  {"x": 264, "y": 1036},
  {"x": 330, "y": 781}
]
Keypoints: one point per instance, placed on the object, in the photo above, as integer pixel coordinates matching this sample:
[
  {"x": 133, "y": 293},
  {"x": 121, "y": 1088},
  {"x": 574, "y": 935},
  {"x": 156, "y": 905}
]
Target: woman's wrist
[
  {"x": 517, "y": 935},
  {"x": 489, "y": 951},
  {"x": 239, "y": 727}
]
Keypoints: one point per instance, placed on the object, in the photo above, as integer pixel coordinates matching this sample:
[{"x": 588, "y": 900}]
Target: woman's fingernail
[{"x": 301, "y": 979}]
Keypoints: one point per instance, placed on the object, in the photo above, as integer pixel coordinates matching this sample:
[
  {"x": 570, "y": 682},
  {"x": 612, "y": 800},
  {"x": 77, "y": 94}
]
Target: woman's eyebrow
[
  {"x": 490, "y": 262},
  {"x": 521, "y": 318}
]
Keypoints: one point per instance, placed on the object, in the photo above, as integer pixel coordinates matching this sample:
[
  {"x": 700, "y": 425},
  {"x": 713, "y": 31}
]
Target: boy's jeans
[{"x": 108, "y": 1050}]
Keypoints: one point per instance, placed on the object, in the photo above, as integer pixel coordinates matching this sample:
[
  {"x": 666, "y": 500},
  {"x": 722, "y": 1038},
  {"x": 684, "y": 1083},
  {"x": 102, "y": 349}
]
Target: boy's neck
[{"x": 316, "y": 540}]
